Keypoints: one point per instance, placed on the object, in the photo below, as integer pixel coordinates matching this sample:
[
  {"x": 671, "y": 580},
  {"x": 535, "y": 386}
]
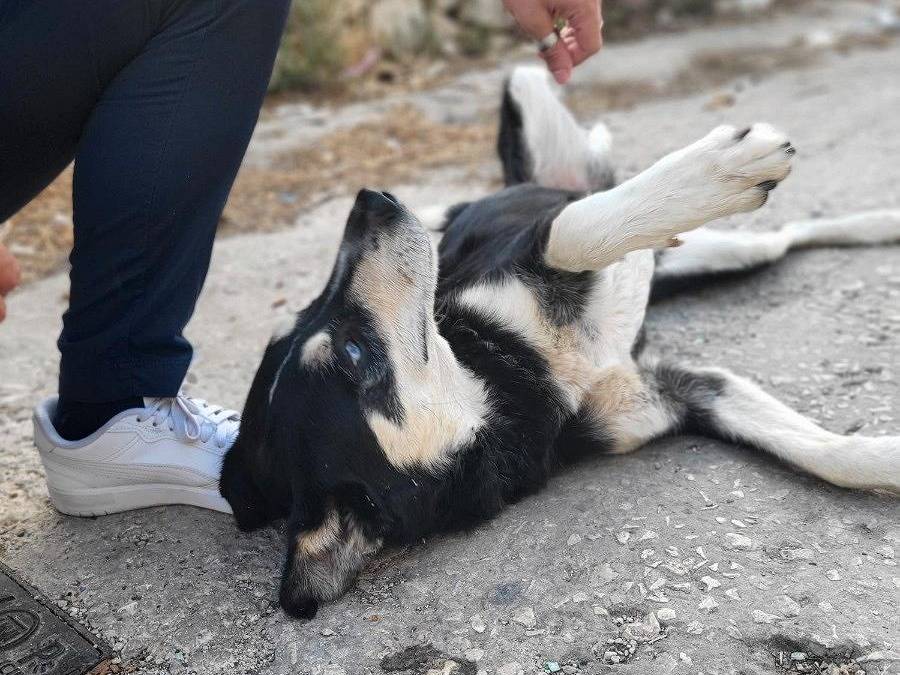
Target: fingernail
[{"x": 561, "y": 76}]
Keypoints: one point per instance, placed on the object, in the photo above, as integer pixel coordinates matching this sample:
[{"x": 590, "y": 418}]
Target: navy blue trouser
[{"x": 155, "y": 100}]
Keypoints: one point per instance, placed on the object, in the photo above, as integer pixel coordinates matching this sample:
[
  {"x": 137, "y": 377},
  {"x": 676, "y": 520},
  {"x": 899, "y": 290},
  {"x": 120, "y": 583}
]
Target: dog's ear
[
  {"x": 325, "y": 552},
  {"x": 249, "y": 505},
  {"x": 252, "y": 460}
]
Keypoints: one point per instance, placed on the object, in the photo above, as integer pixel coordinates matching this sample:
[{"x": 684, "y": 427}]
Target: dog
[{"x": 423, "y": 391}]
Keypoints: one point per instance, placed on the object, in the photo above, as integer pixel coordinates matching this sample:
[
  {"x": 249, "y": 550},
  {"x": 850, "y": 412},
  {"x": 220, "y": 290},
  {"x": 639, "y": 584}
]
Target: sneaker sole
[{"x": 89, "y": 502}]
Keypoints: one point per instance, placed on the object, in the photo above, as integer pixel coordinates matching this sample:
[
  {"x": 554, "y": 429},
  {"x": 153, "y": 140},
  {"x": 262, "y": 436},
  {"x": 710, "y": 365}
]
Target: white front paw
[{"x": 728, "y": 171}]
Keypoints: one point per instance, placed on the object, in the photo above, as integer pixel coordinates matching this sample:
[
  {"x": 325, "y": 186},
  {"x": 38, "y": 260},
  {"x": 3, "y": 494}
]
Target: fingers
[
  {"x": 559, "y": 62},
  {"x": 583, "y": 34},
  {"x": 10, "y": 276},
  {"x": 580, "y": 38}
]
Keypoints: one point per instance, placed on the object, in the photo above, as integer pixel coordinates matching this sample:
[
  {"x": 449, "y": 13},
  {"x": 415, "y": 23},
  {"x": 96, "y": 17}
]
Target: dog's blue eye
[{"x": 354, "y": 351}]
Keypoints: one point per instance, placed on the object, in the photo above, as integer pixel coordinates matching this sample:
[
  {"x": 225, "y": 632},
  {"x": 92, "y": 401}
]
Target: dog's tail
[{"x": 540, "y": 141}]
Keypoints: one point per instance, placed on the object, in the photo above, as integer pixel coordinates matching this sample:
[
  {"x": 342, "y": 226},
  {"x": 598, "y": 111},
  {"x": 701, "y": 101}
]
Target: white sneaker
[{"x": 169, "y": 452}]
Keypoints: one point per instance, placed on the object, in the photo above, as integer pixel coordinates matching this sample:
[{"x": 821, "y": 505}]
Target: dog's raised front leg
[{"x": 726, "y": 172}]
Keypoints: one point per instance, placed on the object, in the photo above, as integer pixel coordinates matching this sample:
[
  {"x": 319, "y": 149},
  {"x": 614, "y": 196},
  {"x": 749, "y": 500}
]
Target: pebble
[
  {"x": 787, "y": 606},
  {"x": 525, "y": 617},
  {"x": 327, "y": 632},
  {"x": 666, "y": 614},
  {"x": 761, "y": 617},
  {"x": 738, "y": 541},
  {"x": 574, "y": 539},
  {"x": 886, "y": 552},
  {"x": 798, "y": 656},
  {"x": 510, "y": 669},
  {"x": 475, "y": 654},
  {"x": 552, "y": 667},
  {"x": 708, "y": 604},
  {"x": 834, "y": 575},
  {"x": 694, "y": 628},
  {"x": 733, "y": 594},
  {"x": 710, "y": 583},
  {"x": 478, "y": 624},
  {"x": 623, "y": 537}
]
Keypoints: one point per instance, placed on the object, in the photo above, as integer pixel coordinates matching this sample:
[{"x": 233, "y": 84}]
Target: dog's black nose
[{"x": 374, "y": 209}]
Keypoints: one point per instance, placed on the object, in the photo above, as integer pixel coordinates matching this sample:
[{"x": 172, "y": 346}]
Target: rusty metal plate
[{"x": 38, "y": 639}]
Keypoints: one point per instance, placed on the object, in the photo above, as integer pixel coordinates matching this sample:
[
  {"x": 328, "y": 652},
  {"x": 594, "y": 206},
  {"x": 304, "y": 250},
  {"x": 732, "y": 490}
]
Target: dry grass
[{"x": 377, "y": 154}]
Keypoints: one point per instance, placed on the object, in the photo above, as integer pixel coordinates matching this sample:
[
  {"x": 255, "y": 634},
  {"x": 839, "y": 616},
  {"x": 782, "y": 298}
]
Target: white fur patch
[
  {"x": 514, "y": 306},
  {"x": 716, "y": 176},
  {"x": 562, "y": 153},
  {"x": 752, "y": 416}
]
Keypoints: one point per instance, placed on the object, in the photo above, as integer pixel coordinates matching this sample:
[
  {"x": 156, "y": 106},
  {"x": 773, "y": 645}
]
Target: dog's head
[{"x": 360, "y": 396}]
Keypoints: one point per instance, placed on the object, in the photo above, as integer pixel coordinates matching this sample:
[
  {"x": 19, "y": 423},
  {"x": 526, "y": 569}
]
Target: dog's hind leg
[
  {"x": 706, "y": 254},
  {"x": 717, "y": 403},
  {"x": 627, "y": 409},
  {"x": 540, "y": 141}
]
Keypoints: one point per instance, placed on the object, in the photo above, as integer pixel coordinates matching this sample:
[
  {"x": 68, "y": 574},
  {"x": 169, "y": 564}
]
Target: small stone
[
  {"x": 685, "y": 658},
  {"x": 509, "y": 669},
  {"x": 643, "y": 631},
  {"x": 734, "y": 632},
  {"x": 580, "y": 597},
  {"x": 478, "y": 624},
  {"x": 834, "y": 575},
  {"x": 710, "y": 583},
  {"x": 475, "y": 654},
  {"x": 666, "y": 615},
  {"x": 604, "y": 574},
  {"x": 886, "y": 552},
  {"x": 798, "y": 656},
  {"x": 327, "y": 632},
  {"x": 552, "y": 667},
  {"x": 623, "y": 537},
  {"x": 694, "y": 628},
  {"x": 574, "y": 539},
  {"x": 649, "y": 534},
  {"x": 672, "y": 551},
  {"x": 708, "y": 604},
  {"x": 761, "y": 617},
  {"x": 787, "y": 606},
  {"x": 733, "y": 594},
  {"x": 525, "y": 617},
  {"x": 738, "y": 541}
]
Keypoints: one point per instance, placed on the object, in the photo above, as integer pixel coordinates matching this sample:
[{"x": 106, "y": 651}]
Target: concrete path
[{"x": 690, "y": 556}]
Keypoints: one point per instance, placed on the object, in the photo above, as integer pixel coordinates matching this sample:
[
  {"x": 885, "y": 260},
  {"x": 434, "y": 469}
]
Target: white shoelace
[{"x": 195, "y": 418}]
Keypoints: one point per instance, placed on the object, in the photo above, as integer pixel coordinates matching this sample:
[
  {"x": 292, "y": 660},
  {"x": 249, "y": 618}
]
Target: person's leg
[
  {"x": 154, "y": 166},
  {"x": 53, "y": 71}
]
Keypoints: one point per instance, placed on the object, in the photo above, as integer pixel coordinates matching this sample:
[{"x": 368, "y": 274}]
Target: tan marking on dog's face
[
  {"x": 317, "y": 350},
  {"x": 314, "y": 543},
  {"x": 442, "y": 403}
]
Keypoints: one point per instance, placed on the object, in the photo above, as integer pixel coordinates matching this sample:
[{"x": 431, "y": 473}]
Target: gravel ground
[{"x": 691, "y": 556}]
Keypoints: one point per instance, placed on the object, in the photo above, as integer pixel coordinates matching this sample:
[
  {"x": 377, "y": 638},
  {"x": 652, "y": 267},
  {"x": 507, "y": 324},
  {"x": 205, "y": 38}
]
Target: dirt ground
[{"x": 690, "y": 556}]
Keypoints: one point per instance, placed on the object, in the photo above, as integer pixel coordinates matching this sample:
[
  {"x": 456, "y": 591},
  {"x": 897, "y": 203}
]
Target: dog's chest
[{"x": 580, "y": 354}]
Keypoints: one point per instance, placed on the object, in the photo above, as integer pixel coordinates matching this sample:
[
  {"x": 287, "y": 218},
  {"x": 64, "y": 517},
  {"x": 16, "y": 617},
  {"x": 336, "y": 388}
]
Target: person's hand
[
  {"x": 580, "y": 37},
  {"x": 10, "y": 275}
]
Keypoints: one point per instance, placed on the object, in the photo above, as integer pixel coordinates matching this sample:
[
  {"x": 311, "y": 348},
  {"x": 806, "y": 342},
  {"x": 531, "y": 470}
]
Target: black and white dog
[{"x": 422, "y": 393}]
